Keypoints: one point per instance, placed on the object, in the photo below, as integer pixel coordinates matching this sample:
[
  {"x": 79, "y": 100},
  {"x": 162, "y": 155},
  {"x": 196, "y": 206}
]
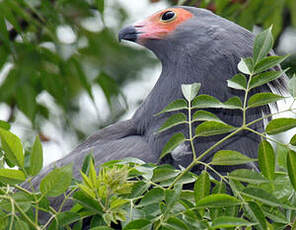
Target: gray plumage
[{"x": 205, "y": 49}]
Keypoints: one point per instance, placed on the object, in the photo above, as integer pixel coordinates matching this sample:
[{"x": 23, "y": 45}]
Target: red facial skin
[{"x": 154, "y": 28}]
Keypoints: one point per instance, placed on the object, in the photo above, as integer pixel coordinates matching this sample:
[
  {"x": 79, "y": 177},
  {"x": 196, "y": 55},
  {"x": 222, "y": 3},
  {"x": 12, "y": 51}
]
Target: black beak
[{"x": 128, "y": 33}]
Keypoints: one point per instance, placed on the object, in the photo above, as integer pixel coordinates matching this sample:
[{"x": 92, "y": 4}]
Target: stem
[
  {"x": 66, "y": 198},
  {"x": 48, "y": 222},
  {"x": 12, "y": 213},
  {"x": 188, "y": 168},
  {"x": 245, "y": 100},
  {"x": 22, "y": 189},
  {"x": 269, "y": 115},
  {"x": 218, "y": 143},
  {"x": 290, "y": 108},
  {"x": 264, "y": 136},
  {"x": 198, "y": 159},
  {"x": 214, "y": 170},
  {"x": 190, "y": 130},
  {"x": 26, "y": 217},
  {"x": 14, "y": 206}
]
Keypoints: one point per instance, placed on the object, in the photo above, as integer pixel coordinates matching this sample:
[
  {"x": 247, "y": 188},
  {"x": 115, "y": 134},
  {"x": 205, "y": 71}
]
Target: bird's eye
[{"x": 168, "y": 16}]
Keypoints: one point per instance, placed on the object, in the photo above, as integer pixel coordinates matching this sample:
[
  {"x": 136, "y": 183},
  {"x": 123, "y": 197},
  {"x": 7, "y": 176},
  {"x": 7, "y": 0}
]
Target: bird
[{"x": 193, "y": 45}]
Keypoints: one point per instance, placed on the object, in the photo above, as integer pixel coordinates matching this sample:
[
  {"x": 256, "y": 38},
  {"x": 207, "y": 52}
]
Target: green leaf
[
  {"x": 268, "y": 62},
  {"x": 153, "y": 196},
  {"x": 263, "y": 78},
  {"x": 96, "y": 220},
  {"x": 233, "y": 103},
  {"x": 281, "y": 155},
  {"x": 220, "y": 187},
  {"x": 57, "y": 181},
  {"x": 87, "y": 181},
  {"x": 4, "y": 36},
  {"x": 190, "y": 91},
  {"x": 12, "y": 176},
  {"x": 161, "y": 174},
  {"x": 245, "y": 66},
  {"x": 275, "y": 215},
  {"x": 102, "y": 228},
  {"x": 109, "y": 87},
  {"x": 86, "y": 163},
  {"x": 293, "y": 140},
  {"x": 63, "y": 219},
  {"x": 217, "y": 201},
  {"x": 206, "y": 101},
  {"x": 262, "y": 196},
  {"x": 101, "y": 6},
  {"x": 117, "y": 203},
  {"x": 193, "y": 220},
  {"x": 229, "y": 157},
  {"x": 262, "y": 45},
  {"x": 12, "y": 147},
  {"x": 87, "y": 190},
  {"x": 173, "y": 143},
  {"x": 19, "y": 224},
  {"x": 172, "y": 121},
  {"x": 281, "y": 186},
  {"x": 174, "y": 223},
  {"x": 185, "y": 179},
  {"x": 179, "y": 104},
  {"x": 87, "y": 202},
  {"x": 292, "y": 86},
  {"x": 266, "y": 159},
  {"x": 229, "y": 222},
  {"x": 138, "y": 189},
  {"x": 292, "y": 7},
  {"x": 82, "y": 76},
  {"x": 23, "y": 200},
  {"x": 291, "y": 166},
  {"x": 210, "y": 128},
  {"x": 137, "y": 224},
  {"x": 172, "y": 197},
  {"x": 248, "y": 176},
  {"x": 236, "y": 186},
  {"x": 36, "y": 158},
  {"x": 261, "y": 99},
  {"x": 255, "y": 214},
  {"x": 202, "y": 186},
  {"x": 202, "y": 115},
  {"x": 4, "y": 125},
  {"x": 26, "y": 101},
  {"x": 239, "y": 81},
  {"x": 92, "y": 174},
  {"x": 280, "y": 125}
]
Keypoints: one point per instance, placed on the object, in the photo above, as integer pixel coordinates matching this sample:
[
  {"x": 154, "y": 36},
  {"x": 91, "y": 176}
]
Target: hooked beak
[{"x": 128, "y": 33}]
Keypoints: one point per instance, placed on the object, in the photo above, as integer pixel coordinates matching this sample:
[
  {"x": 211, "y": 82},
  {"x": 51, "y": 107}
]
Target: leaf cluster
[
  {"x": 250, "y": 13},
  {"x": 41, "y": 63}
]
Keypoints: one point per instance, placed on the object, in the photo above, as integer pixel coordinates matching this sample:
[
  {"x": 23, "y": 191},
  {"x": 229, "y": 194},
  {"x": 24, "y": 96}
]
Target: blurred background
[{"x": 63, "y": 74}]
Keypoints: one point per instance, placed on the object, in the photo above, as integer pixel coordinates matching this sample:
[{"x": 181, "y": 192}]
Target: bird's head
[
  {"x": 156, "y": 27},
  {"x": 170, "y": 29}
]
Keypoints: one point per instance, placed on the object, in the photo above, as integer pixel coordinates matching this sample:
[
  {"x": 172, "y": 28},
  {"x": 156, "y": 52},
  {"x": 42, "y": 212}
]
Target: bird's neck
[{"x": 166, "y": 90}]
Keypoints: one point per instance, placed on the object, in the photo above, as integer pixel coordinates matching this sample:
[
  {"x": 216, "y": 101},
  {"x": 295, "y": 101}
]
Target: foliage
[
  {"x": 43, "y": 63},
  {"x": 132, "y": 194},
  {"x": 249, "y": 13}
]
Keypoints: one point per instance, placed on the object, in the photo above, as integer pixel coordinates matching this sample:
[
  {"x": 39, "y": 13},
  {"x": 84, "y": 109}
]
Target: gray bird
[{"x": 193, "y": 45}]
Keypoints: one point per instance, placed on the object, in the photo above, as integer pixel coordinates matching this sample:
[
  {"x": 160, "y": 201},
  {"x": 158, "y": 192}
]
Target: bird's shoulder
[{"x": 117, "y": 130}]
